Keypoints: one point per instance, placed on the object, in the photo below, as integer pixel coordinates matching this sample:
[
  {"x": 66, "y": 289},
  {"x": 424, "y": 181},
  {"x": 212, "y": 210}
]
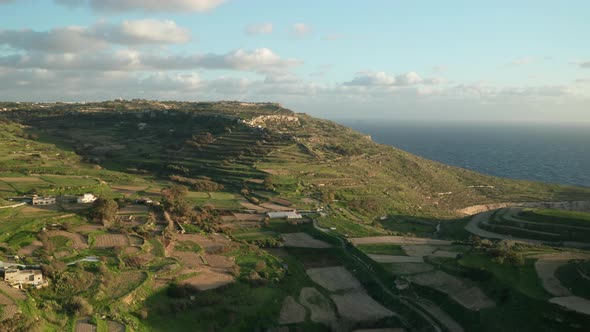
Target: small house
[
  {"x": 86, "y": 198},
  {"x": 19, "y": 278},
  {"x": 284, "y": 215},
  {"x": 39, "y": 200}
]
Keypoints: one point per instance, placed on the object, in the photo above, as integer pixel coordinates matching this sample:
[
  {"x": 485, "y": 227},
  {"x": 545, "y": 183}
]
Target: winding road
[{"x": 484, "y": 218}]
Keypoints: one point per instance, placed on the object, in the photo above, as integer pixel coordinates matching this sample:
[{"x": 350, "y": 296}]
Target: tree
[
  {"x": 105, "y": 211},
  {"x": 173, "y": 198},
  {"x": 268, "y": 184},
  {"x": 78, "y": 306},
  {"x": 260, "y": 265}
]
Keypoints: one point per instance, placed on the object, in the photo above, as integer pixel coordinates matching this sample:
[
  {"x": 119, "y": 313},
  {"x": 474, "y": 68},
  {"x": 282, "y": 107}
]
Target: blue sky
[{"x": 423, "y": 60}]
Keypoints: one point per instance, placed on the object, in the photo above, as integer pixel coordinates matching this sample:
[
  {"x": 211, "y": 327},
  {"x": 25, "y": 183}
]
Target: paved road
[{"x": 473, "y": 228}]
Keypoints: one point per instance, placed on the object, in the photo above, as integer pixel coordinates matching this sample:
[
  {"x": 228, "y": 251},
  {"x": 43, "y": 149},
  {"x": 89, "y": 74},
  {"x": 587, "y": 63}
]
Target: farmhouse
[
  {"x": 86, "y": 198},
  {"x": 38, "y": 200},
  {"x": 19, "y": 278},
  {"x": 284, "y": 215}
]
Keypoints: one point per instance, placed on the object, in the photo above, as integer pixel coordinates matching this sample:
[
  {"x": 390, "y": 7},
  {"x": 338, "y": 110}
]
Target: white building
[
  {"x": 86, "y": 198},
  {"x": 284, "y": 215},
  {"x": 18, "y": 278},
  {"x": 38, "y": 200}
]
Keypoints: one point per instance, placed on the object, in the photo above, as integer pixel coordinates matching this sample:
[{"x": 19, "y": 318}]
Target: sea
[{"x": 548, "y": 153}]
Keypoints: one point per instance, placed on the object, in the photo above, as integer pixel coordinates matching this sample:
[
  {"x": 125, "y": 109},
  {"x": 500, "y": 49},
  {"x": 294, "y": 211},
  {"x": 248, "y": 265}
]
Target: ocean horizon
[{"x": 539, "y": 152}]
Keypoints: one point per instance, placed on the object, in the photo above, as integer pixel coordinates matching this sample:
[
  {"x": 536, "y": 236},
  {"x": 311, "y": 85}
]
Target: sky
[{"x": 474, "y": 61}]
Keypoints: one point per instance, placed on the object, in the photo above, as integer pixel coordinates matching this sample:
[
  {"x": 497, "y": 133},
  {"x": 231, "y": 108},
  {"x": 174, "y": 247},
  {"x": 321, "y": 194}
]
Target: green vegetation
[{"x": 575, "y": 277}]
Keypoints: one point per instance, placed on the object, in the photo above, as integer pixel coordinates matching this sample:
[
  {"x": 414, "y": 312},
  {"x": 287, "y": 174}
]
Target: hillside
[
  {"x": 231, "y": 142},
  {"x": 209, "y": 255}
]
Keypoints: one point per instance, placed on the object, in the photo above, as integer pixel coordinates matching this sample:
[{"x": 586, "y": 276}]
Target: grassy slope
[{"x": 367, "y": 178}]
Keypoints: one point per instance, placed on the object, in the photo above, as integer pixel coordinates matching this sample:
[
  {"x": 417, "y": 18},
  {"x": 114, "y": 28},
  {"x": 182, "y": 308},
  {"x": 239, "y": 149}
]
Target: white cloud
[
  {"x": 384, "y": 79},
  {"x": 371, "y": 79},
  {"x": 144, "y": 5},
  {"x": 259, "y": 29},
  {"x": 300, "y": 30},
  {"x": 149, "y": 31},
  {"x": 98, "y": 36},
  {"x": 261, "y": 60},
  {"x": 410, "y": 78}
]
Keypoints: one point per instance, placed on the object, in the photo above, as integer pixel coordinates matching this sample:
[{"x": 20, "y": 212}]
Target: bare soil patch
[
  {"x": 318, "y": 304},
  {"x": 473, "y": 298},
  {"x": 303, "y": 240},
  {"x": 248, "y": 216},
  {"x": 8, "y": 311},
  {"x": 110, "y": 241},
  {"x": 291, "y": 312},
  {"x": 9, "y": 307},
  {"x": 134, "y": 209},
  {"x": 207, "y": 279},
  {"x": 418, "y": 250},
  {"x": 275, "y": 207},
  {"x": 115, "y": 326},
  {"x": 189, "y": 259},
  {"x": 78, "y": 241},
  {"x": 251, "y": 206},
  {"x": 220, "y": 262},
  {"x": 212, "y": 244},
  {"x": 444, "y": 253},
  {"x": 466, "y": 295},
  {"x": 83, "y": 325},
  {"x": 396, "y": 259},
  {"x": 88, "y": 228},
  {"x": 398, "y": 240},
  {"x": 28, "y": 250},
  {"x": 333, "y": 278},
  {"x": 22, "y": 179},
  {"x": 359, "y": 306},
  {"x": 131, "y": 250}
]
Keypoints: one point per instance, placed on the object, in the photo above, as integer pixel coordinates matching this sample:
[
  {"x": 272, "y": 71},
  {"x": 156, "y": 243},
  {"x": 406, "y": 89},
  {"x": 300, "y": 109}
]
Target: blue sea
[{"x": 554, "y": 154}]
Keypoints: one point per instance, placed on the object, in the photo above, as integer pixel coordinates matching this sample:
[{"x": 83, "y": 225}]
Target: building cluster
[{"x": 49, "y": 200}]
